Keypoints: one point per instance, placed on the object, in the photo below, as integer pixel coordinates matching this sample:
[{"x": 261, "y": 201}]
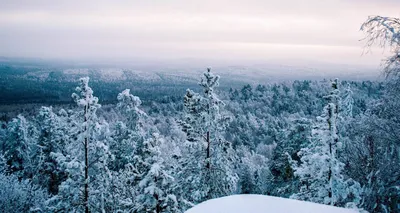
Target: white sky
[{"x": 232, "y": 30}]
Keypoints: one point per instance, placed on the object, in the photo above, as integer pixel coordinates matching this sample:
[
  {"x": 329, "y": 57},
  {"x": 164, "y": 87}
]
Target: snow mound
[{"x": 262, "y": 204}]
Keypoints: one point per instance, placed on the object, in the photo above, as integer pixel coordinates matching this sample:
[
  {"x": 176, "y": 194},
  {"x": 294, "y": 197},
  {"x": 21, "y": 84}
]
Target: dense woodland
[{"x": 331, "y": 142}]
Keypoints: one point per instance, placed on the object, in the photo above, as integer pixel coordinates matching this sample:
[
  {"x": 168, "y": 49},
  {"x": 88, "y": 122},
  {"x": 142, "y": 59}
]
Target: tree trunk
[
  {"x": 208, "y": 163},
  {"x": 86, "y": 184},
  {"x": 330, "y": 115},
  {"x": 158, "y": 205},
  {"x": 208, "y": 166}
]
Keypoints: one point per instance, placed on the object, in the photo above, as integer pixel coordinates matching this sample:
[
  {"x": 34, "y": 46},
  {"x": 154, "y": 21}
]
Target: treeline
[{"x": 26, "y": 84}]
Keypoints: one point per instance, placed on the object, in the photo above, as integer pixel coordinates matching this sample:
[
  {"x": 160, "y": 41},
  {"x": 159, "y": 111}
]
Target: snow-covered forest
[{"x": 333, "y": 142}]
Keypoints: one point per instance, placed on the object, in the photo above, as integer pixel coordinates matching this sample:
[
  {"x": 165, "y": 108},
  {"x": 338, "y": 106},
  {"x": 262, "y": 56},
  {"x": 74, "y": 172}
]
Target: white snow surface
[{"x": 262, "y": 204}]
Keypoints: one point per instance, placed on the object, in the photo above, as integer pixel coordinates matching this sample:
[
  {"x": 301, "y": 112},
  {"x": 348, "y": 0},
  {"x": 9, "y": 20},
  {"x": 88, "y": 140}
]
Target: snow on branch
[{"x": 384, "y": 31}]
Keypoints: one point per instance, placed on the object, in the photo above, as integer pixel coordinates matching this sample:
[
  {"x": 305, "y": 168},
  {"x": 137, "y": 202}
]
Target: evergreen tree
[
  {"x": 320, "y": 171},
  {"x": 17, "y": 146},
  {"x": 156, "y": 185},
  {"x": 208, "y": 158},
  {"x": 89, "y": 103},
  {"x": 52, "y": 139},
  {"x": 347, "y": 103},
  {"x": 86, "y": 157},
  {"x": 298, "y": 136},
  {"x": 128, "y": 105},
  {"x": 128, "y": 133}
]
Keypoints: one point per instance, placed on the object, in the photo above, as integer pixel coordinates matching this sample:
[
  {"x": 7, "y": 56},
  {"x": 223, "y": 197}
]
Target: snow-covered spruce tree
[
  {"x": 127, "y": 133},
  {"x": 320, "y": 171},
  {"x": 126, "y": 143},
  {"x": 17, "y": 146},
  {"x": 101, "y": 176},
  {"x": 208, "y": 159},
  {"x": 156, "y": 185},
  {"x": 147, "y": 184},
  {"x": 192, "y": 109},
  {"x": 90, "y": 105},
  {"x": 347, "y": 124},
  {"x": 192, "y": 162},
  {"x": 284, "y": 182},
  {"x": 85, "y": 158},
  {"x": 128, "y": 105},
  {"x": 347, "y": 103},
  {"x": 52, "y": 139}
]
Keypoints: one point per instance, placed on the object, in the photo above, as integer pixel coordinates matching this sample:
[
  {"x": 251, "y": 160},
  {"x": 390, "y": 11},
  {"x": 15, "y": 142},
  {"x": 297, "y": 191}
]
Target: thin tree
[
  {"x": 89, "y": 103},
  {"x": 320, "y": 170},
  {"x": 207, "y": 162}
]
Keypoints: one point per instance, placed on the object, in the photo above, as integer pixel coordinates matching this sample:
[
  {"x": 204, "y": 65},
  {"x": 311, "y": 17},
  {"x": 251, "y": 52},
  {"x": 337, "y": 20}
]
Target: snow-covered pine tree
[
  {"x": 284, "y": 182},
  {"x": 129, "y": 105},
  {"x": 85, "y": 158},
  {"x": 223, "y": 178},
  {"x": 89, "y": 103},
  {"x": 156, "y": 185},
  {"x": 208, "y": 159},
  {"x": 128, "y": 132},
  {"x": 347, "y": 103},
  {"x": 102, "y": 183},
  {"x": 192, "y": 110},
  {"x": 320, "y": 171},
  {"x": 52, "y": 139},
  {"x": 17, "y": 146}
]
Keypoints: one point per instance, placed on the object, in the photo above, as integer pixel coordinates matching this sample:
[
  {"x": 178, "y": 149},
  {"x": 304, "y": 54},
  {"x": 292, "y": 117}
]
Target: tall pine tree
[
  {"x": 208, "y": 159},
  {"x": 86, "y": 157},
  {"x": 320, "y": 171}
]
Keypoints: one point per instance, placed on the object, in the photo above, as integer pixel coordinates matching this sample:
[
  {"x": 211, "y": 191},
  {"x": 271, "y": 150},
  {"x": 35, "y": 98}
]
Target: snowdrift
[{"x": 262, "y": 204}]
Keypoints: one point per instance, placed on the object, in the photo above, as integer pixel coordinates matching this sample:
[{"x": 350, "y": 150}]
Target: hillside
[{"x": 262, "y": 204}]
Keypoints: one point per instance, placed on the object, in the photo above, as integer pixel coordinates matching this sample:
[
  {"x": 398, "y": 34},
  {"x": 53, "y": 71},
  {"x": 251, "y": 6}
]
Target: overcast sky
[{"x": 232, "y": 30}]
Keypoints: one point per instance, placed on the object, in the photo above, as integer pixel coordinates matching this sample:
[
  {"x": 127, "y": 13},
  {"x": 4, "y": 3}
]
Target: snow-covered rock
[{"x": 262, "y": 204}]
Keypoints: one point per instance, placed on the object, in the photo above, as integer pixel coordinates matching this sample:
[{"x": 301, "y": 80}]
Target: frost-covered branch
[{"x": 385, "y": 32}]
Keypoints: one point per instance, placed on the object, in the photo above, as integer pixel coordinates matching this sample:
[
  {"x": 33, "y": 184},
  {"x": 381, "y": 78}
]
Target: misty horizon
[{"x": 306, "y": 33}]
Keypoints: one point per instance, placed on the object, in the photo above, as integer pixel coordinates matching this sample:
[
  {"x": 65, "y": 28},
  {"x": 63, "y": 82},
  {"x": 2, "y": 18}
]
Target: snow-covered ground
[{"x": 262, "y": 204}]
